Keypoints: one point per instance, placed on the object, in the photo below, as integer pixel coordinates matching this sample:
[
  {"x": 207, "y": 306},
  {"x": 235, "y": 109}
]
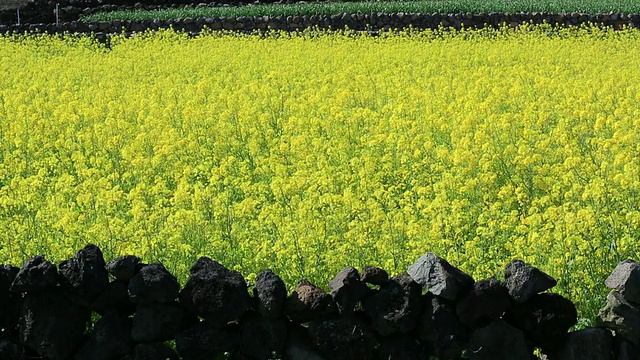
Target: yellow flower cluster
[{"x": 307, "y": 153}]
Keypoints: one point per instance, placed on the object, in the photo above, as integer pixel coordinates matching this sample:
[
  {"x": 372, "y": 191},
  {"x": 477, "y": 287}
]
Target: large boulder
[
  {"x": 153, "y": 284},
  {"x": 215, "y": 293},
  {"x": 396, "y": 306},
  {"x": 625, "y": 278},
  {"x": 85, "y": 273},
  {"x": 347, "y": 290},
  {"x": 440, "y": 277},
  {"x": 486, "y": 301},
  {"x": 523, "y": 281},
  {"x": 269, "y": 294},
  {"x": 308, "y": 302},
  {"x": 36, "y": 275}
]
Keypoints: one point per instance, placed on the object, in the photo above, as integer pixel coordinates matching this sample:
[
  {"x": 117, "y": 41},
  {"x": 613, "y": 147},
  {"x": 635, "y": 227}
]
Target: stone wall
[
  {"x": 433, "y": 309},
  {"x": 359, "y": 22}
]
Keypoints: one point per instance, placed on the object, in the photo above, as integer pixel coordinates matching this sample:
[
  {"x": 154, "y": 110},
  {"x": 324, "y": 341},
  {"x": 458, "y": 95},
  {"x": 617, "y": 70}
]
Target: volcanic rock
[
  {"x": 396, "y": 306},
  {"x": 486, "y": 301},
  {"x": 523, "y": 281},
  {"x": 270, "y": 294},
  {"x": 439, "y": 277},
  {"x": 347, "y": 289},
  {"x": 153, "y": 284},
  {"x": 308, "y": 302},
  {"x": 36, "y": 275},
  {"x": 215, "y": 293}
]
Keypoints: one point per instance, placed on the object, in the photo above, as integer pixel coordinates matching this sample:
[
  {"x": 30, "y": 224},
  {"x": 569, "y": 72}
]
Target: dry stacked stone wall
[
  {"x": 373, "y": 23},
  {"x": 86, "y": 308}
]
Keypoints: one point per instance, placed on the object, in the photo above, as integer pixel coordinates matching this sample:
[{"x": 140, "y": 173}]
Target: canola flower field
[{"x": 308, "y": 153}]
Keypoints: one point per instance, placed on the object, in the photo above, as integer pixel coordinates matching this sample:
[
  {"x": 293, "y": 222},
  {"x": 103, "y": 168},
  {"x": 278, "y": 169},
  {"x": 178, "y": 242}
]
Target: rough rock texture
[
  {"x": 374, "y": 275},
  {"x": 160, "y": 322},
  {"x": 347, "y": 289},
  {"x": 154, "y": 351},
  {"x": 36, "y": 275},
  {"x": 401, "y": 347},
  {"x": 299, "y": 345},
  {"x": 497, "y": 341},
  {"x": 124, "y": 267},
  {"x": 624, "y": 349},
  {"x": 269, "y": 294},
  {"x": 260, "y": 336},
  {"x": 587, "y": 344},
  {"x": 8, "y": 300},
  {"x": 620, "y": 316},
  {"x": 52, "y": 325},
  {"x": 626, "y": 279},
  {"x": 440, "y": 329},
  {"x": 153, "y": 284},
  {"x": 486, "y": 301},
  {"x": 396, "y": 306},
  {"x": 439, "y": 277},
  {"x": 85, "y": 272},
  {"x": 215, "y": 293},
  {"x": 523, "y": 281},
  {"x": 111, "y": 338},
  {"x": 343, "y": 338},
  {"x": 309, "y": 302},
  {"x": 545, "y": 319},
  {"x": 116, "y": 297},
  {"x": 203, "y": 341},
  {"x": 11, "y": 351}
]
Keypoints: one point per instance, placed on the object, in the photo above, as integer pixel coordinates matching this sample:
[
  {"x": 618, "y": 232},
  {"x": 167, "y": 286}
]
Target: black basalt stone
[
  {"x": 343, "y": 338},
  {"x": 395, "y": 307},
  {"x": 215, "y": 293},
  {"x": 85, "y": 273},
  {"x": 203, "y": 341},
  {"x": 499, "y": 341},
  {"x": 620, "y": 316},
  {"x": 124, "y": 267},
  {"x": 11, "y": 351},
  {"x": 308, "y": 302},
  {"x": 545, "y": 319},
  {"x": 523, "y": 281},
  {"x": 8, "y": 300},
  {"x": 486, "y": 301},
  {"x": 592, "y": 344},
  {"x": 625, "y": 278},
  {"x": 52, "y": 324},
  {"x": 440, "y": 277},
  {"x": 160, "y": 322},
  {"x": 269, "y": 294},
  {"x": 154, "y": 351},
  {"x": 401, "y": 347},
  {"x": 347, "y": 290},
  {"x": 374, "y": 275},
  {"x": 261, "y": 336},
  {"x": 440, "y": 329},
  {"x": 114, "y": 297},
  {"x": 153, "y": 284},
  {"x": 36, "y": 275},
  {"x": 110, "y": 339}
]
